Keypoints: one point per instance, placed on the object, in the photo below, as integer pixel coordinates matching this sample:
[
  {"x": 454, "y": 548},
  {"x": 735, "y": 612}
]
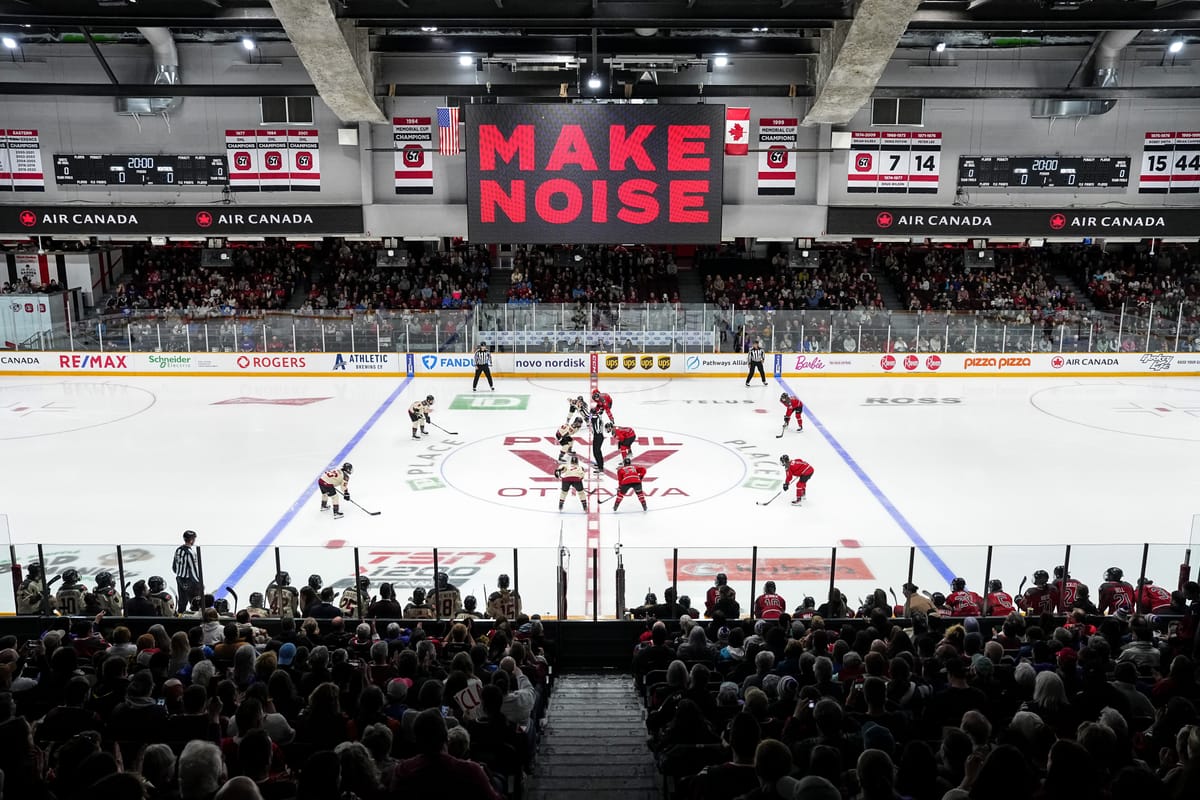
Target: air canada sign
[
  {"x": 164, "y": 220},
  {"x": 596, "y": 174},
  {"x": 1065, "y": 222}
]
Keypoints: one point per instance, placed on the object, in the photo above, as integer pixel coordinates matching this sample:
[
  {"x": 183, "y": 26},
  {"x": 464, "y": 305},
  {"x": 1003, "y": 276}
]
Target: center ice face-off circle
[
  {"x": 517, "y": 469},
  {"x": 1158, "y": 412}
]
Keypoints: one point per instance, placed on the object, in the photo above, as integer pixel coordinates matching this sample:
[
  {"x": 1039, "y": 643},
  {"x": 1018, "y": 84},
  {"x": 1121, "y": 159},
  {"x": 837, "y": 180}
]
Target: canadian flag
[{"x": 737, "y": 131}]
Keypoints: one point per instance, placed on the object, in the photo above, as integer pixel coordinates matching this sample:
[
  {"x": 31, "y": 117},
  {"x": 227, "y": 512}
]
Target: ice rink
[{"x": 948, "y": 465}]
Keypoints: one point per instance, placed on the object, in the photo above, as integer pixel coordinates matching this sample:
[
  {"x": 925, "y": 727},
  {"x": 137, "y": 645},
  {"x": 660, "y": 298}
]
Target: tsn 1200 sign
[{"x": 594, "y": 174}]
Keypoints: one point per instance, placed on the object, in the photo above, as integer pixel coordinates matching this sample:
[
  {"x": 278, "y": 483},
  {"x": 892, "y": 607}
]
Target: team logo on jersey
[
  {"x": 611, "y": 362},
  {"x": 664, "y": 362}
]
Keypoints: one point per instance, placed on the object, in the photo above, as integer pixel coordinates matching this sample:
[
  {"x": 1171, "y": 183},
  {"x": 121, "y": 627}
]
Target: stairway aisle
[
  {"x": 891, "y": 300},
  {"x": 1067, "y": 283},
  {"x": 594, "y": 744}
]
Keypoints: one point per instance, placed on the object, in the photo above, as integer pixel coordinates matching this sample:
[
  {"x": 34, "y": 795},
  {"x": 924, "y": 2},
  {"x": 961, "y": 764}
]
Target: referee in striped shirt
[
  {"x": 187, "y": 571},
  {"x": 755, "y": 359},
  {"x": 483, "y": 366}
]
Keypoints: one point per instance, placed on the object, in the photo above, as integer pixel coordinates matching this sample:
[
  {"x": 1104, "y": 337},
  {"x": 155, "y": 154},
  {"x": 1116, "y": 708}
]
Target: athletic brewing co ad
[{"x": 594, "y": 174}]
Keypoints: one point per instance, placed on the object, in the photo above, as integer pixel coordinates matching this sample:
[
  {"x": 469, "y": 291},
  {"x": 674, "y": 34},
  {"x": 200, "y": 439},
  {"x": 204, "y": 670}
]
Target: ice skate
[{"x": 338, "y": 515}]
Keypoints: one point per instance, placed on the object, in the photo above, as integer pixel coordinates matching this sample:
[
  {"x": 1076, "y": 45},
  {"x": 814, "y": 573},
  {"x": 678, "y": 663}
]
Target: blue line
[
  {"x": 254, "y": 555},
  {"x": 873, "y": 488}
]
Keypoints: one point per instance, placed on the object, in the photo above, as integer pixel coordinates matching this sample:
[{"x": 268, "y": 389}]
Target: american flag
[{"x": 448, "y": 131}]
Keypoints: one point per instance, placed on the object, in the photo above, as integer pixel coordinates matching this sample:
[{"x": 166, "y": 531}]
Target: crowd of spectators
[
  {"x": 923, "y": 707},
  {"x": 350, "y": 280},
  {"x": 829, "y": 279},
  {"x": 1140, "y": 283},
  {"x": 604, "y": 275},
  {"x": 318, "y": 709}
]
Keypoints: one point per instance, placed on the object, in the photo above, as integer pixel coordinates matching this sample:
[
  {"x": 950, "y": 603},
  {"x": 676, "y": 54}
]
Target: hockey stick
[
  {"x": 360, "y": 508},
  {"x": 895, "y": 602},
  {"x": 443, "y": 430},
  {"x": 229, "y": 590},
  {"x": 782, "y": 432},
  {"x": 761, "y": 503},
  {"x": 1021, "y": 588}
]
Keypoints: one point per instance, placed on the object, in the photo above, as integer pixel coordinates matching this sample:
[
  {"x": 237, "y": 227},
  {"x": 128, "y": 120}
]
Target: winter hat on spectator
[
  {"x": 982, "y": 665},
  {"x": 277, "y": 727},
  {"x": 770, "y": 685},
  {"x": 287, "y": 654},
  {"x": 788, "y": 687},
  {"x": 877, "y": 737}
]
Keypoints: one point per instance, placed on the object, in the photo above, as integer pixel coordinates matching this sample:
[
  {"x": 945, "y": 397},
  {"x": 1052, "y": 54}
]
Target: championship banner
[
  {"x": 595, "y": 174},
  {"x": 1170, "y": 163},
  {"x": 304, "y": 161},
  {"x": 737, "y": 131},
  {"x": 273, "y": 160},
  {"x": 776, "y": 161},
  {"x": 894, "y": 162},
  {"x": 241, "y": 152},
  {"x": 412, "y": 137},
  {"x": 25, "y": 160},
  {"x": 5, "y": 163}
]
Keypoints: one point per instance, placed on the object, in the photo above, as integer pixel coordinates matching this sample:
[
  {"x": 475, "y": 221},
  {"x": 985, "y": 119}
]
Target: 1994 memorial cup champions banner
[{"x": 413, "y": 139}]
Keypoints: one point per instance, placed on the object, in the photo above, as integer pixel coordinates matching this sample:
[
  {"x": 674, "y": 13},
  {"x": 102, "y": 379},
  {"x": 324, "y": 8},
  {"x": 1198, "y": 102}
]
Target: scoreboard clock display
[
  {"x": 1043, "y": 172},
  {"x": 140, "y": 170}
]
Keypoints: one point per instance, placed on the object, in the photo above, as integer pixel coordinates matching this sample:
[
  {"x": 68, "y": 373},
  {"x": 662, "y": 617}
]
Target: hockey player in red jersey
[
  {"x": 1068, "y": 590},
  {"x": 769, "y": 605},
  {"x": 792, "y": 405},
  {"x": 629, "y": 478},
  {"x": 710, "y": 597},
  {"x": 1041, "y": 597},
  {"x": 999, "y": 602},
  {"x": 623, "y": 437},
  {"x": 602, "y": 404},
  {"x": 961, "y": 602},
  {"x": 1151, "y": 598},
  {"x": 1115, "y": 593},
  {"x": 797, "y": 470}
]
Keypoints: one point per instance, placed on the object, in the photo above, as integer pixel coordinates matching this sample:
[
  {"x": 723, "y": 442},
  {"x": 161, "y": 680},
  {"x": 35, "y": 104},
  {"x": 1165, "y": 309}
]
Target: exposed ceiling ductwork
[
  {"x": 1105, "y": 74},
  {"x": 166, "y": 73}
]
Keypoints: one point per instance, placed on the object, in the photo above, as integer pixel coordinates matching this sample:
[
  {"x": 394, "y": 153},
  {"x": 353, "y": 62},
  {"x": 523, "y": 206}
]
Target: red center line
[{"x": 592, "y": 597}]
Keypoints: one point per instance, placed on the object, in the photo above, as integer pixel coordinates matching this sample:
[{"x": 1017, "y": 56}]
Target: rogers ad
[{"x": 547, "y": 174}]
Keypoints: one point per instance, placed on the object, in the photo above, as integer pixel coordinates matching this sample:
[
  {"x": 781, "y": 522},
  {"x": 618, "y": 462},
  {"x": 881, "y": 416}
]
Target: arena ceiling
[{"x": 357, "y": 51}]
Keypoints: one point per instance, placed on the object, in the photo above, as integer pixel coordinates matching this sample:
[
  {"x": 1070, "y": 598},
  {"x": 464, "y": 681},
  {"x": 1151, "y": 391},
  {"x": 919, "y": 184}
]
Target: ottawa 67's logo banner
[
  {"x": 776, "y": 155},
  {"x": 412, "y": 138}
]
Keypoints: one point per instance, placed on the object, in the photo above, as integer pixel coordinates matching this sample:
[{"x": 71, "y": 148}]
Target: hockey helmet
[
  {"x": 348, "y": 468},
  {"x": 784, "y": 396},
  {"x": 364, "y": 583},
  {"x": 958, "y": 584},
  {"x": 469, "y": 602},
  {"x": 1060, "y": 573},
  {"x": 71, "y": 576},
  {"x": 104, "y": 579},
  {"x": 769, "y": 587},
  {"x": 810, "y": 602},
  {"x": 938, "y": 599},
  {"x": 256, "y": 600},
  {"x": 784, "y": 460},
  {"x": 429, "y": 399},
  {"x": 595, "y": 394},
  {"x": 994, "y": 585},
  {"x": 1040, "y": 577},
  {"x": 608, "y": 427},
  {"x": 577, "y": 423},
  {"x": 443, "y": 580},
  {"x": 315, "y": 582},
  {"x": 574, "y": 459},
  {"x": 156, "y": 582},
  {"x": 1114, "y": 574},
  {"x": 626, "y": 461},
  {"x": 1145, "y": 581},
  {"x": 222, "y": 606},
  {"x": 418, "y": 596},
  {"x": 282, "y": 578},
  {"x": 502, "y": 581},
  {"x": 722, "y": 579},
  {"x": 34, "y": 570}
]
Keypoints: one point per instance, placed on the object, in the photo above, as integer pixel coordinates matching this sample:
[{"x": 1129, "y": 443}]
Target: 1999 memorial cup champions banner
[{"x": 776, "y": 156}]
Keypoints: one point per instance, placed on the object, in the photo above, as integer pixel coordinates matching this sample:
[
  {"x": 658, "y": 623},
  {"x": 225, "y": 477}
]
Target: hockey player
[
  {"x": 445, "y": 597},
  {"x": 571, "y": 475},
  {"x": 107, "y": 596},
  {"x": 629, "y": 478},
  {"x": 646, "y": 609},
  {"x": 69, "y": 597},
  {"x": 1151, "y": 598},
  {"x": 483, "y": 366},
  {"x": 336, "y": 484},
  {"x": 999, "y": 602},
  {"x": 315, "y": 582},
  {"x": 1068, "y": 589},
  {"x": 797, "y": 470},
  {"x": 355, "y": 597},
  {"x": 282, "y": 597},
  {"x": 565, "y": 436},
  {"x": 503, "y": 602},
  {"x": 419, "y": 413},
  {"x": 29, "y": 593},
  {"x": 468, "y": 612},
  {"x": 161, "y": 597},
  {"x": 623, "y": 437},
  {"x": 602, "y": 404},
  {"x": 961, "y": 602},
  {"x": 1115, "y": 593},
  {"x": 710, "y": 597},
  {"x": 257, "y": 607},
  {"x": 806, "y": 610},
  {"x": 418, "y": 608},
  {"x": 769, "y": 605},
  {"x": 685, "y": 607},
  {"x": 1041, "y": 597},
  {"x": 792, "y": 405}
]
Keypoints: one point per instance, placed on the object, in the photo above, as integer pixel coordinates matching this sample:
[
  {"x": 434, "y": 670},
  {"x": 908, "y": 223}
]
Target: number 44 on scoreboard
[{"x": 1170, "y": 163}]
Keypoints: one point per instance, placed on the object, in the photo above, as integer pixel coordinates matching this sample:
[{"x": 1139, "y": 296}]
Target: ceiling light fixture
[
  {"x": 1176, "y": 46},
  {"x": 248, "y": 43},
  {"x": 940, "y": 47},
  {"x": 594, "y": 81},
  {"x": 466, "y": 60},
  {"x": 429, "y": 28},
  {"x": 9, "y": 42},
  {"x": 721, "y": 61}
]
